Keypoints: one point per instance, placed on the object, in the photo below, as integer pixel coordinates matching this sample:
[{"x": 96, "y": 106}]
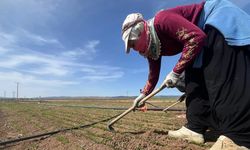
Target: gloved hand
[
  {"x": 180, "y": 85},
  {"x": 138, "y": 99},
  {"x": 171, "y": 79}
]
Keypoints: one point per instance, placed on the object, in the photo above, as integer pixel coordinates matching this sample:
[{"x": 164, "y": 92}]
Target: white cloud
[
  {"x": 107, "y": 77},
  {"x": 37, "y": 39},
  {"x": 92, "y": 45},
  {"x": 7, "y": 39},
  {"x": 31, "y": 80},
  {"x": 88, "y": 51},
  {"x": 33, "y": 62},
  {"x": 52, "y": 78},
  {"x": 30, "y": 85},
  {"x": 3, "y": 50},
  {"x": 29, "y": 61},
  {"x": 20, "y": 39},
  {"x": 36, "y": 64},
  {"x": 58, "y": 67},
  {"x": 97, "y": 73},
  {"x": 50, "y": 70},
  {"x": 37, "y": 51}
]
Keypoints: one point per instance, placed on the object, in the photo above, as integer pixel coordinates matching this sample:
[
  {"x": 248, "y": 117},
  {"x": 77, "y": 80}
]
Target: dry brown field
[{"x": 136, "y": 131}]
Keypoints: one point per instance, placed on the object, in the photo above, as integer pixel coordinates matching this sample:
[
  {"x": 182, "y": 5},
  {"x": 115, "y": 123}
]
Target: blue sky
[{"x": 74, "y": 48}]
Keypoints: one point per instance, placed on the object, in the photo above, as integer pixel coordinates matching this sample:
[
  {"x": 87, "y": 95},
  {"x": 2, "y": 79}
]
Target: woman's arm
[{"x": 153, "y": 76}]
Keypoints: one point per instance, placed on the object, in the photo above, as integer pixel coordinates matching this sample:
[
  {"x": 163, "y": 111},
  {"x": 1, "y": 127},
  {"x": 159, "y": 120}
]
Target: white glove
[
  {"x": 138, "y": 99},
  {"x": 171, "y": 79}
]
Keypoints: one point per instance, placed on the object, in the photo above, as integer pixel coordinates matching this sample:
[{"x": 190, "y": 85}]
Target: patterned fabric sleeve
[
  {"x": 153, "y": 76},
  {"x": 191, "y": 36},
  {"x": 192, "y": 46}
]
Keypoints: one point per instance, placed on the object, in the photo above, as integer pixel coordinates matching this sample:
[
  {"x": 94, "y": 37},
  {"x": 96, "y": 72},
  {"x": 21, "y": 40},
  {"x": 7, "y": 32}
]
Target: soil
[{"x": 131, "y": 134}]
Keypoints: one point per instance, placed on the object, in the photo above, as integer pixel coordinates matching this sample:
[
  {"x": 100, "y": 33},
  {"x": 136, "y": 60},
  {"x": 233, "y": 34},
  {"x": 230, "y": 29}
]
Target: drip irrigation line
[
  {"x": 119, "y": 108},
  {"x": 54, "y": 132},
  {"x": 152, "y": 104}
]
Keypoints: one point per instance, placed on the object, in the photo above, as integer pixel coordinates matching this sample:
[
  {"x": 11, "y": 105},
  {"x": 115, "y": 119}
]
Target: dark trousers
[{"x": 218, "y": 94}]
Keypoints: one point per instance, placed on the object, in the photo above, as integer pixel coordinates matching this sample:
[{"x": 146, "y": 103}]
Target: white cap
[{"x": 130, "y": 21}]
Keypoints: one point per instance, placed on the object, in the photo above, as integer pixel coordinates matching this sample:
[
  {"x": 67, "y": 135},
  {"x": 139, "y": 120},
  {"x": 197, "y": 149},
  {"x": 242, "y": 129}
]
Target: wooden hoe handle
[{"x": 133, "y": 107}]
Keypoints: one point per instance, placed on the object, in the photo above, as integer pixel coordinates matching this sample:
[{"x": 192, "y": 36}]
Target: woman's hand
[
  {"x": 171, "y": 79},
  {"x": 138, "y": 99}
]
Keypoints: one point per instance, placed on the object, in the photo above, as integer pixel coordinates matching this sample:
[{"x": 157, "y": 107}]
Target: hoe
[
  {"x": 111, "y": 123},
  {"x": 110, "y": 128}
]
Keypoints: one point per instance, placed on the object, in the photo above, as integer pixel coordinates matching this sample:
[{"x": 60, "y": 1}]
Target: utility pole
[{"x": 17, "y": 86}]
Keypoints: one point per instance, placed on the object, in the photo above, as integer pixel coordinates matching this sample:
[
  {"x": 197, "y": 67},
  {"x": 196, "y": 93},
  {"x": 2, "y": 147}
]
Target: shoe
[
  {"x": 187, "y": 134},
  {"x": 225, "y": 143}
]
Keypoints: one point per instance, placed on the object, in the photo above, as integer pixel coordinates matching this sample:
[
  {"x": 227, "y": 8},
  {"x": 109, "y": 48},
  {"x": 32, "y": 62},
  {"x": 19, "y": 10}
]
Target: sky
[{"x": 74, "y": 48}]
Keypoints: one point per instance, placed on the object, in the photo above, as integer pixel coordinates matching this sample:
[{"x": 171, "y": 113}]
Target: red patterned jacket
[{"x": 178, "y": 32}]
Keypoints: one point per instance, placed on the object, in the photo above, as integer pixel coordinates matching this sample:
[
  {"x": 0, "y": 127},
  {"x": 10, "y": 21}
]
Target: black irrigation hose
[
  {"x": 54, "y": 132},
  {"x": 117, "y": 108}
]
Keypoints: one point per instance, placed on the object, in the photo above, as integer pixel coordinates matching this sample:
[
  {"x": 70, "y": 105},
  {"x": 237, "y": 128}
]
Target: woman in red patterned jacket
[{"x": 215, "y": 57}]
